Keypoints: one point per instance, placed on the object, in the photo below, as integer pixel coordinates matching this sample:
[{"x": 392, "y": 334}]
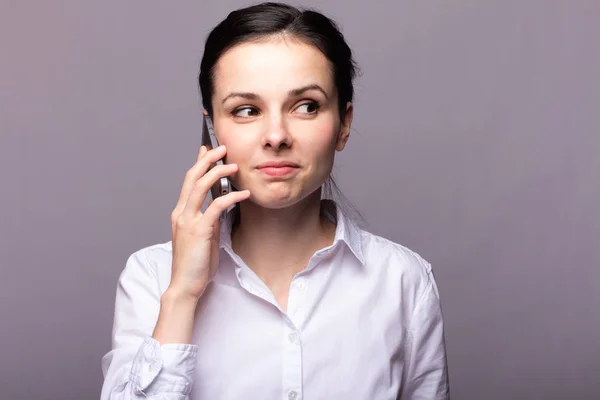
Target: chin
[
  {"x": 280, "y": 194},
  {"x": 273, "y": 202},
  {"x": 276, "y": 197}
]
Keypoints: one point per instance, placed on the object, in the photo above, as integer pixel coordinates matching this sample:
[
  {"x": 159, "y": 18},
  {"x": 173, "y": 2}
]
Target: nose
[{"x": 276, "y": 135}]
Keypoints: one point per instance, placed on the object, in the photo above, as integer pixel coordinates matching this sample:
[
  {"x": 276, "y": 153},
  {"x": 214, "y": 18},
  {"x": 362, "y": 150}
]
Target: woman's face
[{"x": 275, "y": 108}]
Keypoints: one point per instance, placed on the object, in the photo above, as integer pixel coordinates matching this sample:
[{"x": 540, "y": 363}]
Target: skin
[
  {"x": 280, "y": 221},
  {"x": 280, "y": 226}
]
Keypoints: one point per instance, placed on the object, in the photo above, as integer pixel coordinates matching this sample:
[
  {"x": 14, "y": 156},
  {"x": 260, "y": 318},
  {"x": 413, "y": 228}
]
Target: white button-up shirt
[{"x": 363, "y": 322}]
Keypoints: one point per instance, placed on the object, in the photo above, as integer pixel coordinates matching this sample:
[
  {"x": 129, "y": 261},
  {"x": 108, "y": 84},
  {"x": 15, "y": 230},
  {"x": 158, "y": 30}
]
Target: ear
[
  {"x": 345, "y": 127},
  {"x": 204, "y": 111}
]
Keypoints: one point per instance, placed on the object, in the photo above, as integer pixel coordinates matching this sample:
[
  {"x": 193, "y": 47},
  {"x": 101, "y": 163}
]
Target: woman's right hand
[{"x": 196, "y": 234}]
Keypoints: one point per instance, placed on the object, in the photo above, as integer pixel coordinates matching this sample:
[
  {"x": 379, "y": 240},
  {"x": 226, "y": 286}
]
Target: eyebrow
[{"x": 291, "y": 93}]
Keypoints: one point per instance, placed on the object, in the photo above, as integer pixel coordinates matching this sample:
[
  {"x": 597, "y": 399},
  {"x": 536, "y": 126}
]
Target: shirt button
[
  {"x": 293, "y": 395},
  {"x": 293, "y": 337},
  {"x": 301, "y": 284},
  {"x": 154, "y": 365}
]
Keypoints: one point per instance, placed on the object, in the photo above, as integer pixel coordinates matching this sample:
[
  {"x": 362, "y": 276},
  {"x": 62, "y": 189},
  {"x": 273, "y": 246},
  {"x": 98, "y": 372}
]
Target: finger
[
  {"x": 205, "y": 159},
  {"x": 202, "y": 152},
  {"x": 197, "y": 171},
  {"x": 203, "y": 185},
  {"x": 179, "y": 206},
  {"x": 217, "y": 224},
  {"x": 222, "y": 203}
]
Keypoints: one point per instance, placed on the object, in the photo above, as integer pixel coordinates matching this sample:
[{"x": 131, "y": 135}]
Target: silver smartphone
[{"x": 209, "y": 139}]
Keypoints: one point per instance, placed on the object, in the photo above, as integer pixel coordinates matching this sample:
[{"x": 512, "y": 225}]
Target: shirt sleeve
[
  {"x": 426, "y": 370},
  {"x": 137, "y": 366}
]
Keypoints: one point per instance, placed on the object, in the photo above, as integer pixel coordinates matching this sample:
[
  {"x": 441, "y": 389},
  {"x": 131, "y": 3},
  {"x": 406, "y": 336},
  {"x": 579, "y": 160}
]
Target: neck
[{"x": 277, "y": 243}]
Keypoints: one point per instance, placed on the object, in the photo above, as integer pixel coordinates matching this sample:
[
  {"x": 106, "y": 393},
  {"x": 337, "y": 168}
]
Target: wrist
[{"x": 175, "y": 297}]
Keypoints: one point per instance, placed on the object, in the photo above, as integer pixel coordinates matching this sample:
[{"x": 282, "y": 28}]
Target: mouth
[{"x": 278, "y": 168}]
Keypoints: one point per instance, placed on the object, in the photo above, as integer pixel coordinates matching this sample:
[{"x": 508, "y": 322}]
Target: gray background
[{"x": 482, "y": 118}]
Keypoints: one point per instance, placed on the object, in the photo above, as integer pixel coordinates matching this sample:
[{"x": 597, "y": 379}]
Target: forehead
[{"x": 279, "y": 63}]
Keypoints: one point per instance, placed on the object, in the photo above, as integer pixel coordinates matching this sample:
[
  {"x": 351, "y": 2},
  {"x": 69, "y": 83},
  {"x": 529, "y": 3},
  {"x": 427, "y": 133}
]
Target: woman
[{"x": 287, "y": 298}]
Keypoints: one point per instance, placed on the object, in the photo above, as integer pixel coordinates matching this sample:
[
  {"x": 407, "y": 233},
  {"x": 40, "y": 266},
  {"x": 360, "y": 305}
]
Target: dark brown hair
[{"x": 267, "y": 19}]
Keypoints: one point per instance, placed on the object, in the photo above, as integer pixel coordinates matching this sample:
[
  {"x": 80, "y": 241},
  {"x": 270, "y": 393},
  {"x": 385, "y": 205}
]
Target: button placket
[
  {"x": 292, "y": 347},
  {"x": 297, "y": 300},
  {"x": 292, "y": 363},
  {"x": 293, "y": 395}
]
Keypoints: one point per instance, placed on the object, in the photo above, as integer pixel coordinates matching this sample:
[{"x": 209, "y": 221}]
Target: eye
[
  {"x": 245, "y": 112},
  {"x": 310, "y": 107}
]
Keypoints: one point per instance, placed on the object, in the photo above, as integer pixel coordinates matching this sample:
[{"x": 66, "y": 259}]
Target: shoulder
[
  {"x": 380, "y": 251},
  {"x": 154, "y": 252},
  {"x": 400, "y": 266},
  {"x": 150, "y": 262}
]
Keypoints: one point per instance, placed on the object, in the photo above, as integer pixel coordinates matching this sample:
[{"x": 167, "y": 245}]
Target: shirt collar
[{"x": 347, "y": 231}]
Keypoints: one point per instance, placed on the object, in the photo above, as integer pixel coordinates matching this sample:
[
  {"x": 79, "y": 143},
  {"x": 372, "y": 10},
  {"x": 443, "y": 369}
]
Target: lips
[
  {"x": 278, "y": 168},
  {"x": 278, "y": 164}
]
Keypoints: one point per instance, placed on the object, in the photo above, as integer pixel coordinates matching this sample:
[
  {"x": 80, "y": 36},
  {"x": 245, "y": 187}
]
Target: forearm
[
  {"x": 140, "y": 366},
  {"x": 175, "y": 319}
]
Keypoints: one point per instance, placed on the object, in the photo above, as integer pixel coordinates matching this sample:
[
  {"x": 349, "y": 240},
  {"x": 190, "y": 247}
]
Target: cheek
[
  {"x": 322, "y": 141},
  {"x": 236, "y": 154},
  {"x": 237, "y": 144},
  {"x": 320, "y": 150}
]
